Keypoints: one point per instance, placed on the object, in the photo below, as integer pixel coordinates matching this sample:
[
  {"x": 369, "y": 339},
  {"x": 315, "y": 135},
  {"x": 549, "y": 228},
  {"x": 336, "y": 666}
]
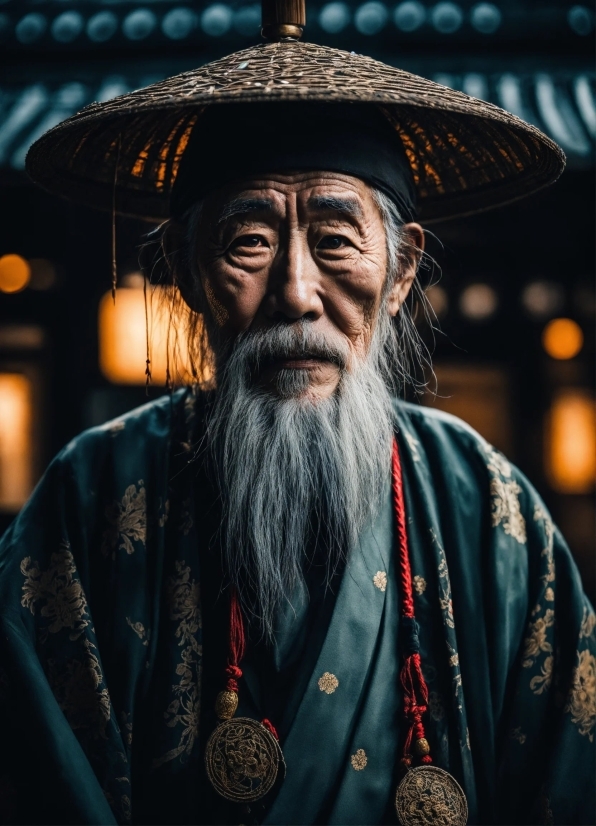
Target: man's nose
[{"x": 294, "y": 289}]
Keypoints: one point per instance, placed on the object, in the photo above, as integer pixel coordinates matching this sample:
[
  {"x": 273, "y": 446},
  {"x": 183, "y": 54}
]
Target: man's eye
[
  {"x": 248, "y": 241},
  {"x": 332, "y": 242}
]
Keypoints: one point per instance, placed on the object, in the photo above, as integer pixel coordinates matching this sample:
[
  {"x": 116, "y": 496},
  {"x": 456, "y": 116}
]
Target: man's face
[{"x": 298, "y": 247}]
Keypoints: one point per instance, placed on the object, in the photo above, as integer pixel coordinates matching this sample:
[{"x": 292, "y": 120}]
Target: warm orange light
[
  {"x": 571, "y": 442},
  {"x": 562, "y": 338},
  {"x": 15, "y": 273},
  {"x": 123, "y": 336},
  {"x": 16, "y": 452}
]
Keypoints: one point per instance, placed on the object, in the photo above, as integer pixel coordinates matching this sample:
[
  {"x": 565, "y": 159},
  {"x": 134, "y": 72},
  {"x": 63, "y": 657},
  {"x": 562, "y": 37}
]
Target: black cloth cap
[{"x": 239, "y": 140}]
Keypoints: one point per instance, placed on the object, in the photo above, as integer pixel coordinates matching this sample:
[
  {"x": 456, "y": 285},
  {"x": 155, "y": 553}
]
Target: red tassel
[
  {"x": 270, "y": 727},
  {"x": 412, "y": 680},
  {"x": 237, "y": 643}
]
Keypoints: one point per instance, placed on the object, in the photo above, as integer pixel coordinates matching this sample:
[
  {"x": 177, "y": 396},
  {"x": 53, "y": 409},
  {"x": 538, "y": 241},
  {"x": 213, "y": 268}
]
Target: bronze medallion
[
  {"x": 242, "y": 759},
  {"x": 430, "y": 796}
]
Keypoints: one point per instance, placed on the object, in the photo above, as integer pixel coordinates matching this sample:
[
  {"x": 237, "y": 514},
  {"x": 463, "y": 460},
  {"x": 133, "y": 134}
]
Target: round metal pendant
[
  {"x": 242, "y": 759},
  {"x": 430, "y": 796}
]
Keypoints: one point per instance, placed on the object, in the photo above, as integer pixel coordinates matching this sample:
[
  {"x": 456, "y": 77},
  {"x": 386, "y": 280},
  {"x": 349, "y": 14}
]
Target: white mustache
[{"x": 296, "y": 341}]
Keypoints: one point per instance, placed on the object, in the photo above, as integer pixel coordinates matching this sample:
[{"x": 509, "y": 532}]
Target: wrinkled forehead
[{"x": 315, "y": 193}]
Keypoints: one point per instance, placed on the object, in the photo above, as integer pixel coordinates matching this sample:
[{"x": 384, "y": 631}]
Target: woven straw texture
[{"x": 466, "y": 155}]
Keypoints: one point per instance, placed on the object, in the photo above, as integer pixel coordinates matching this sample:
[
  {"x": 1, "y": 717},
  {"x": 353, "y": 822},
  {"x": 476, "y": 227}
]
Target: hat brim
[{"x": 466, "y": 155}]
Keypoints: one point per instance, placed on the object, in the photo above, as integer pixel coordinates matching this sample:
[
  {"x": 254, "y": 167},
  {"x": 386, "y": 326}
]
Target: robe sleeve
[
  {"x": 48, "y": 654},
  {"x": 546, "y": 741}
]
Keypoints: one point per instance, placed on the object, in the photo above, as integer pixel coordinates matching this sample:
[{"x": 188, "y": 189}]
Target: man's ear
[{"x": 411, "y": 251}]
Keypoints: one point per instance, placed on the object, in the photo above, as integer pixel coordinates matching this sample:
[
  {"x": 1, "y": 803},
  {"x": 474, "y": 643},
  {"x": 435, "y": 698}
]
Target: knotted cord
[{"x": 411, "y": 678}]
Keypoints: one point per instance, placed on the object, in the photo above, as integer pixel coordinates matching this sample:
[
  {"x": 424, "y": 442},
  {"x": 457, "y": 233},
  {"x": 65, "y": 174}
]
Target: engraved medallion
[
  {"x": 242, "y": 759},
  {"x": 430, "y": 796}
]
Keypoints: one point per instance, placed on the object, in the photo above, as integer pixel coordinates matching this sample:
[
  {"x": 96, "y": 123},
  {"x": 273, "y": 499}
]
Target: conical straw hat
[{"x": 466, "y": 155}]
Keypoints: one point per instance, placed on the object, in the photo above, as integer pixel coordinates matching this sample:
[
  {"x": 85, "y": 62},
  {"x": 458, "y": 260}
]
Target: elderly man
[{"x": 284, "y": 596}]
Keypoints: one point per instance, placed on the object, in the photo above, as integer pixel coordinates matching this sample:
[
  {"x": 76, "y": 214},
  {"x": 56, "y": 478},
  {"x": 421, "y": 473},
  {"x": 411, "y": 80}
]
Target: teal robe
[{"x": 113, "y": 641}]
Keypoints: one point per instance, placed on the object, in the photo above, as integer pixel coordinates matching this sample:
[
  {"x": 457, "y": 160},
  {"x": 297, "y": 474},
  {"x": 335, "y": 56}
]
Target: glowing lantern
[
  {"x": 562, "y": 338},
  {"x": 16, "y": 450},
  {"x": 15, "y": 273},
  {"x": 571, "y": 442},
  {"x": 126, "y": 325}
]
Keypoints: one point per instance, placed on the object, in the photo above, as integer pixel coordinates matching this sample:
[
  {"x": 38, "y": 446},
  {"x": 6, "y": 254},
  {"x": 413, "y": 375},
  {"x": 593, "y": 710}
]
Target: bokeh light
[
  {"x": 371, "y": 17},
  {"x": 216, "y": 20},
  {"x": 139, "y": 24},
  {"x": 16, "y": 449},
  {"x": 102, "y": 26},
  {"x": 334, "y": 17},
  {"x": 446, "y": 17},
  {"x": 15, "y": 273},
  {"x": 478, "y": 302},
  {"x": 486, "y": 18},
  {"x": 581, "y": 20},
  {"x": 562, "y": 338},
  {"x": 438, "y": 300},
  {"x": 542, "y": 299},
  {"x": 178, "y": 23},
  {"x": 123, "y": 334},
  {"x": 409, "y": 16},
  {"x": 30, "y": 28},
  {"x": 67, "y": 26},
  {"x": 571, "y": 442}
]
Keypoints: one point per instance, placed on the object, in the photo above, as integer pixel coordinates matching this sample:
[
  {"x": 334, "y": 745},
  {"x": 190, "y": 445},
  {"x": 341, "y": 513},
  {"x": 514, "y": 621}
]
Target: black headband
[{"x": 241, "y": 140}]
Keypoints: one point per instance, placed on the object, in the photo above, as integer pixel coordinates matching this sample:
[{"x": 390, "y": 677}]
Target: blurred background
[{"x": 515, "y": 302}]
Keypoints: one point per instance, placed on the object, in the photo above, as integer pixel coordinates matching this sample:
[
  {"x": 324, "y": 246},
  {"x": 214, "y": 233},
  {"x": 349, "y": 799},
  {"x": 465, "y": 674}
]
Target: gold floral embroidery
[
  {"x": 505, "y": 497},
  {"x": 139, "y": 630},
  {"x": 127, "y": 521},
  {"x": 76, "y": 686},
  {"x": 183, "y": 598},
  {"x": 581, "y": 703},
  {"x": 65, "y": 602},
  {"x": 517, "y": 734},
  {"x": 445, "y": 598},
  {"x": 419, "y": 584},
  {"x": 497, "y": 463},
  {"x": 413, "y": 445},
  {"x": 588, "y": 624},
  {"x": 359, "y": 760},
  {"x": 540, "y": 515},
  {"x": 380, "y": 580},
  {"x": 446, "y": 605},
  {"x": 537, "y": 641},
  {"x": 542, "y": 681},
  {"x": 328, "y": 683},
  {"x": 549, "y": 595}
]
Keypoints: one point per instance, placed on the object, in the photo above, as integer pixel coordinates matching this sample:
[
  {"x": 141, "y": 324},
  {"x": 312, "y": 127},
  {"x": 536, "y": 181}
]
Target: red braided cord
[
  {"x": 412, "y": 680},
  {"x": 270, "y": 727},
  {"x": 237, "y": 651},
  {"x": 237, "y": 643}
]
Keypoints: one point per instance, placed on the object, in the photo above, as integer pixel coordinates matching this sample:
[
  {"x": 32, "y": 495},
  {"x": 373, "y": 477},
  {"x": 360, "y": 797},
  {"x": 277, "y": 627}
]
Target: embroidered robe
[{"x": 104, "y": 697}]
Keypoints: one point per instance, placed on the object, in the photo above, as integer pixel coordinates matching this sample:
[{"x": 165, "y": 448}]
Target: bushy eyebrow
[
  {"x": 329, "y": 203},
  {"x": 243, "y": 206}
]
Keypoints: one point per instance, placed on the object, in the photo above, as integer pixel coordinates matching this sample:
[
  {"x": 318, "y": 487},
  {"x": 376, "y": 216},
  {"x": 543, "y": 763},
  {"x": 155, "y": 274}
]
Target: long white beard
[{"x": 288, "y": 467}]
